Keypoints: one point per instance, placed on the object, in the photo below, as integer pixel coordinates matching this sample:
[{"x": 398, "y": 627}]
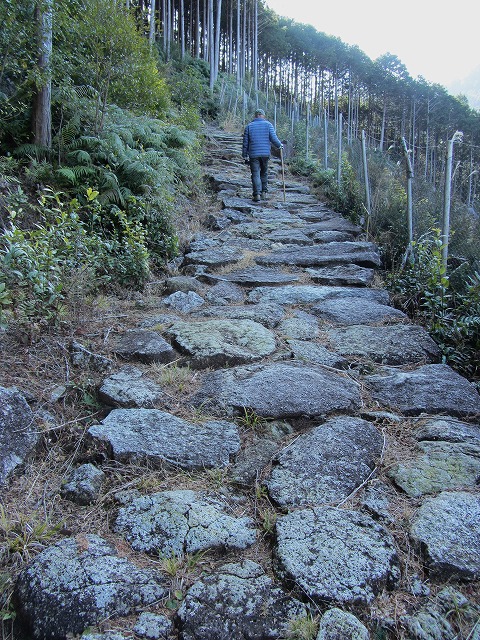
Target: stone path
[{"x": 309, "y": 395}]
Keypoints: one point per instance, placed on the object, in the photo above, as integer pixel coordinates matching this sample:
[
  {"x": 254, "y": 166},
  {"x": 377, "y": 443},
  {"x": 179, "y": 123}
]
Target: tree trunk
[{"x": 43, "y": 96}]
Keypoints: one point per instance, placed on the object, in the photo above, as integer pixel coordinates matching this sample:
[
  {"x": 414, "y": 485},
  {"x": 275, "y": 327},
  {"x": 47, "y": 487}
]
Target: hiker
[{"x": 257, "y": 137}]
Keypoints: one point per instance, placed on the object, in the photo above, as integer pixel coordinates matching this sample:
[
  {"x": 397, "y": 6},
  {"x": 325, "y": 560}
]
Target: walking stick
[{"x": 283, "y": 174}]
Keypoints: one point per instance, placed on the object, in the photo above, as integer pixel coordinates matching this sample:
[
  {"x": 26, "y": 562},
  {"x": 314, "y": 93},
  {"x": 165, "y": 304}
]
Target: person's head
[{"x": 259, "y": 113}]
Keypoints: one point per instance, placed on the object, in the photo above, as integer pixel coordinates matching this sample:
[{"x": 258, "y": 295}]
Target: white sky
[{"x": 436, "y": 39}]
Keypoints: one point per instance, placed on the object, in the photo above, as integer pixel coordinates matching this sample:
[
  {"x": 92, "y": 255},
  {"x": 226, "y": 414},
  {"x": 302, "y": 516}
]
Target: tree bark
[{"x": 43, "y": 96}]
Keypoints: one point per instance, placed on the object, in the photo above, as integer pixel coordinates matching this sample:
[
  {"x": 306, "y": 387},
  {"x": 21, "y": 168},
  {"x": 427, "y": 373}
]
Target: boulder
[
  {"x": 129, "y": 387},
  {"x": 431, "y": 389},
  {"x": 144, "y": 345},
  {"x": 19, "y": 434},
  {"x": 78, "y": 582},
  {"x": 279, "y": 390},
  {"x": 238, "y": 601},
  {"x": 446, "y": 529},
  {"x": 219, "y": 343},
  {"x": 141, "y": 435},
  {"x": 180, "y": 522},
  {"x": 84, "y": 484},
  {"x": 326, "y": 464},
  {"x": 335, "y": 555}
]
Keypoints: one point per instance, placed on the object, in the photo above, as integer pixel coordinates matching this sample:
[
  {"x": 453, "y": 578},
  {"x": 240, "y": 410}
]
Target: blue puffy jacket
[{"x": 257, "y": 138}]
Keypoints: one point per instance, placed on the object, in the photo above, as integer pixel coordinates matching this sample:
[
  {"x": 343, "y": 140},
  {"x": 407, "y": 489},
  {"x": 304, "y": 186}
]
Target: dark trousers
[{"x": 259, "y": 170}]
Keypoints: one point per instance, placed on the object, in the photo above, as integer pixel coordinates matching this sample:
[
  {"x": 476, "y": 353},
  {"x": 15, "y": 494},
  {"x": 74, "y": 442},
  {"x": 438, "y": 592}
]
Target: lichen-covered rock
[
  {"x": 251, "y": 461},
  {"x": 336, "y": 624},
  {"x": 447, "y": 530},
  {"x": 129, "y": 387},
  {"x": 335, "y": 555},
  {"x": 348, "y": 275},
  {"x": 279, "y": 390},
  {"x": 84, "y": 484},
  {"x": 300, "y": 326},
  {"x": 438, "y": 466},
  {"x": 431, "y": 389},
  {"x": 364, "y": 254},
  {"x": 144, "y": 345},
  {"x": 307, "y": 351},
  {"x": 19, "y": 435},
  {"x": 76, "y": 583},
  {"x": 326, "y": 464},
  {"x": 184, "y": 301},
  {"x": 218, "y": 343},
  {"x": 267, "y": 314},
  {"x": 238, "y": 601},
  {"x": 141, "y": 435},
  {"x": 310, "y": 294},
  {"x": 182, "y": 521},
  {"x": 356, "y": 310},
  {"x": 396, "y": 344},
  {"x": 153, "y": 626}
]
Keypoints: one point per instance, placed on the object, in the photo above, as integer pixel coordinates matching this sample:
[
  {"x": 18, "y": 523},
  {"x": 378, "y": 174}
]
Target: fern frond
[
  {"x": 80, "y": 156},
  {"x": 67, "y": 174},
  {"x": 29, "y": 150}
]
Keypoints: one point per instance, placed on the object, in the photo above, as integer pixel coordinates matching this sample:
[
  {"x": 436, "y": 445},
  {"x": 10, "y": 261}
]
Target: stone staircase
[{"x": 318, "y": 453}]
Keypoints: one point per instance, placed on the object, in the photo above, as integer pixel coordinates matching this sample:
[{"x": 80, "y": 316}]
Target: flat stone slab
[
  {"x": 336, "y": 624},
  {"x": 268, "y": 314},
  {"x": 447, "y": 531},
  {"x": 19, "y": 434},
  {"x": 397, "y": 344},
  {"x": 129, "y": 387},
  {"x": 184, "y": 301},
  {"x": 144, "y": 345},
  {"x": 279, "y": 390},
  {"x": 215, "y": 257},
  {"x": 326, "y": 464},
  {"x": 307, "y": 351},
  {"x": 438, "y": 466},
  {"x": 447, "y": 457},
  {"x": 313, "y": 295},
  {"x": 180, "y": 522},
  {"x": 238, "y": 601},
  {"x": 448, "y": 429},
  {"x": 271, "y": 222},
  {"x": 141, "y": 435},
  {"x": 356, "y": 310},
  {"x": 328, "y": 222},
  {"x": 218, "y": 343},
  {"x": 245, "y": 205},
  {"x": 335, "y": 555},
  {"x": 224, "y": 292},
  {"x": 343, "y": 275},
  {"x": 289, "y": 236},
  {"x": 364, "y": 254},
  {"x": 299, "y": 326},
  {"x": 256, "y": 276},
  {"x": 78, "y": 582},
  {"x": 431, "y": 389}
]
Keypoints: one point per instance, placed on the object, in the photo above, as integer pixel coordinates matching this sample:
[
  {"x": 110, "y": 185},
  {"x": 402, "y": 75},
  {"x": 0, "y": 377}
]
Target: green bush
[
  {"x": 451, "y": 315},
  {"x": 37, "y": 264}
]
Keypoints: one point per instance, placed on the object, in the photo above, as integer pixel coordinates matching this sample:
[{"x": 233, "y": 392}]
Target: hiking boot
[
  {"x": 256, "y": 198},
  {"x": 264, "y": 195}
]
